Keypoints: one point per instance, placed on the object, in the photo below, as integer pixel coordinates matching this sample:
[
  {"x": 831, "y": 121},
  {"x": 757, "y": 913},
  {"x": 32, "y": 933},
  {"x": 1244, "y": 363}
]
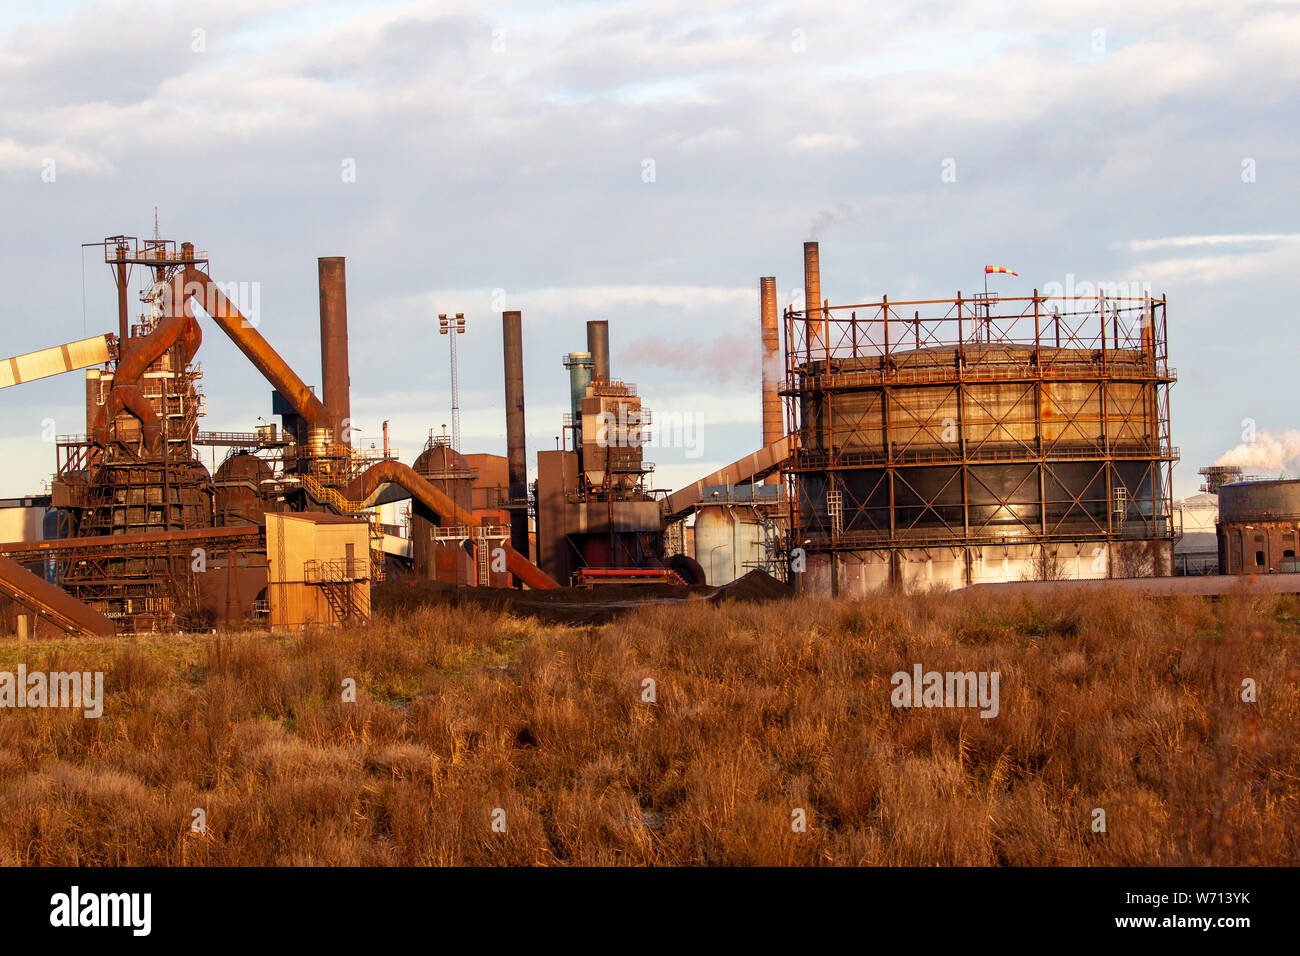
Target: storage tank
[
  {"x": 447, "y": 471},
  {"x": 239, "y": 492},
  {"x": 728, "y": 541},
  {"x": 1259, "y": 526}
]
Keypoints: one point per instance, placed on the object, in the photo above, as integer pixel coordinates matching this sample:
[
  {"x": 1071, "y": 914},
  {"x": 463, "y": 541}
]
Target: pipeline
[
  {"x": 256, "y": 349},
  {"x": 366, "y": 485},
  {"x": 129, "y": 398},
  {"x": 179, "y": 325}
]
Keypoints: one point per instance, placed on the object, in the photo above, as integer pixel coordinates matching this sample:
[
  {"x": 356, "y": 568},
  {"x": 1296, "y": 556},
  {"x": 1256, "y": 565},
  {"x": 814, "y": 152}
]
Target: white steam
[{"x": 1268, "y": 453}]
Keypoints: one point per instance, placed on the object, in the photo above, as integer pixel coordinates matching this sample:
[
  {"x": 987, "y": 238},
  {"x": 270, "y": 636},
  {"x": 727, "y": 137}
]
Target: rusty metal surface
[
  {"x": 598, "y": 346},
  {"x": 773, "y": 374},
  {"x": 512, "y": 338},
  {"x": 256, "y": 349},
  {"x": 762, "y": 462},
  {"x": 111, "y": 541},
  {"x": 59, "y": 607},
  {"x": 368, "y": 483},
  {"x": 335, "y": 382},
  {"x": 812, "y": 289}
]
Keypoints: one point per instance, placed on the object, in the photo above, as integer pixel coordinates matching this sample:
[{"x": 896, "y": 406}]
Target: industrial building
[
  {"x": 956, "y": 441},
  {"x": 1259, "y": 526},
  {"x": 146, "y": 537},
  {"x": 937, "y": 442}
]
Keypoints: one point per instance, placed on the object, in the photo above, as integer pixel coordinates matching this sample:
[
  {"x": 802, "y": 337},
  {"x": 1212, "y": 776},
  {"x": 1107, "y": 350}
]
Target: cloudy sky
[{"x": 469, "y": 158}]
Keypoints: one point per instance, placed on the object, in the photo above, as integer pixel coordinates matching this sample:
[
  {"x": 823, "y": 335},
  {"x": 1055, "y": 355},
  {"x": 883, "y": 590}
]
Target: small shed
[{"x": 318, "y": 569}]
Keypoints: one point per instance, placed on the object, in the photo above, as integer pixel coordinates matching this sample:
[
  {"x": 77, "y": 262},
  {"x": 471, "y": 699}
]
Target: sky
[{"x": 646, "y": 163}]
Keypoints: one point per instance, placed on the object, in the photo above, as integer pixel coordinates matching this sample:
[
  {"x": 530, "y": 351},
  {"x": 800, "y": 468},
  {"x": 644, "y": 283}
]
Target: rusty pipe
[
  {"x": 598, "y": 346},
  {"x": 255, "y": 348},
  {"x": 177, "y": 324},
  {"x": 364, "y": 487},
  {"x": 335, "y": 382},
  {"x": 131, "y": 399},
  {"x": 812, "y": 293},
  {"x": 773, "y": 426}
]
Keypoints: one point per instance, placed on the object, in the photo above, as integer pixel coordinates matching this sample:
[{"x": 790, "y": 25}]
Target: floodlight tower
[{"x": 452, "y": 327}]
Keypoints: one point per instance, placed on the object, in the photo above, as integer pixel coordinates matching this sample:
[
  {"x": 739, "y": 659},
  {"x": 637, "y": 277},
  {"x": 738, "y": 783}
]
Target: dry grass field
[{"x": 1119, "y": 703}]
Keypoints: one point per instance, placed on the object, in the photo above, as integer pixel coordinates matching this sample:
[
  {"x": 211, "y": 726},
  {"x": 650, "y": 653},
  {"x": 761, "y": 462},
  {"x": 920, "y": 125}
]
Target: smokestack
[
  {"x": 598, "y": 346},
  {"x": 512, "y": 338},
  {"x": 812, "y": 292},
  {"x": 336, "y": 386},
  {"x": 773, "y": 427}
]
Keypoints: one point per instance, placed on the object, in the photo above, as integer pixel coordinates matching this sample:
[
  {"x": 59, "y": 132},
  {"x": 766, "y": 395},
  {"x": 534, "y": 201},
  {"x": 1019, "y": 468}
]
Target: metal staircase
[
  {"x": 338, "y": 581},
  {"x": 332, "y": 497}
]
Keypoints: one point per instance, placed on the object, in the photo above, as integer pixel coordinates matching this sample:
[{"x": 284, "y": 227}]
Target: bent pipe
[
  {"x": 178, "y": 325},
  {"x": 367, "y": 484},
  {"x": 129, "y": 398},
  {"x": 255, "y": 348}
]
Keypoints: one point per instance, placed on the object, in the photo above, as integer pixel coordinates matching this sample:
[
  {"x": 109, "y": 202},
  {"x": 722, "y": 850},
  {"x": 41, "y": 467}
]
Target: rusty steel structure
[
  {"x": 142, "y": 523},
  {"x": 954, "y": 441}
]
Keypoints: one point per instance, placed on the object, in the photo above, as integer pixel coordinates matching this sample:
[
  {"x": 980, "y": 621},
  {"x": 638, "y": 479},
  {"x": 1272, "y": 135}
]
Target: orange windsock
[{"x": 991, "y": 269}]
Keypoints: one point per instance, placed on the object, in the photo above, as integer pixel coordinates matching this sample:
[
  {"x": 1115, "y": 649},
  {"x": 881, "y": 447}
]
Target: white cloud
[{"x": 824, "y": 143}]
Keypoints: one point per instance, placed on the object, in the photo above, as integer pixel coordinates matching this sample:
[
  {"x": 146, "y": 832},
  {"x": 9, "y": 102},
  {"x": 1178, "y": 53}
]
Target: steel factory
[{"x": 938, "y": 442}]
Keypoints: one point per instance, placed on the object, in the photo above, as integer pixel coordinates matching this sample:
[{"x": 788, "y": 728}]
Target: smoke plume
[
  {"x": 1267, "y": 454},
  {"x": 726, "y": 359}
]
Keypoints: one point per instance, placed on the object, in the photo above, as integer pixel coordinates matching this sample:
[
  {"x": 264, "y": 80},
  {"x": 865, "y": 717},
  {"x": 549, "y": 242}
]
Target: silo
[{"x": 728, "y": 541}]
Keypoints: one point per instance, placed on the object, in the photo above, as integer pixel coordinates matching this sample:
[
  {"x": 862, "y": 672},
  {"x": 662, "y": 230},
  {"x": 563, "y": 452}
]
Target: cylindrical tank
[
  {"x": 580, "y": 368},
  {"x": 1259, "y": 501},
  {"x": 1259, "y": 527},
  {"x": 240, "y": 494},
  {"x": 449, "y": 561},
  {"x": 728, "y": 541}
]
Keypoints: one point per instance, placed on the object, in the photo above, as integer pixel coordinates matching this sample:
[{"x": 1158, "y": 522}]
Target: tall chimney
[
  {"x": 598, "y": 346},
  {"x": 773, "y": 426},
  {"x": 812, "y": 293},
  {"x": 336, "y": 386},
  {"x": 512, "y": 338}
]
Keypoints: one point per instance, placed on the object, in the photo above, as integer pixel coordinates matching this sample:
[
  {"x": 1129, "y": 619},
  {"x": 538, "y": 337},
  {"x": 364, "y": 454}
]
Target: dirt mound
[{"x": 757, "y": 585}]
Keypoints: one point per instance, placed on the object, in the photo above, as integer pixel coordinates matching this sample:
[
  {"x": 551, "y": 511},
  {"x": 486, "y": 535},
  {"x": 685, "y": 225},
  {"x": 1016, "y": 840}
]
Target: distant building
[{"x": 1197, "y": 552}]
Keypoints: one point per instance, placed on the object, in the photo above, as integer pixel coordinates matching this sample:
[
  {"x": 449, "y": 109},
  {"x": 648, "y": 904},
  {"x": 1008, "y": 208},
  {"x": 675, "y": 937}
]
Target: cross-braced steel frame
[{"x": 975, "y": 421}]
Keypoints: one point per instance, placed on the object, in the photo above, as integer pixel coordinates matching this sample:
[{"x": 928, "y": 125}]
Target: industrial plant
[{"x": 937, "y": 442}]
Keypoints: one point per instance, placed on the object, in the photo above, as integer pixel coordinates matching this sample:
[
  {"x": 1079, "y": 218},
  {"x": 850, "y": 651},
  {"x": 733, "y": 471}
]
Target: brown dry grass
[{"x": 1120, "y": 703}]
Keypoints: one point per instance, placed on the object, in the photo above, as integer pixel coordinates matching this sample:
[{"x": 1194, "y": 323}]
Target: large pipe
[
  {"x": 512, "y": 339},
  {"x": 773, "y": 426},
  {"x": 598, "y": 346},
  {"x": 366, "y": 485},
  {"x": 255, "y": 348},
  {"x": 812, "y": 293},
  {"x": 335, "y": 382}
]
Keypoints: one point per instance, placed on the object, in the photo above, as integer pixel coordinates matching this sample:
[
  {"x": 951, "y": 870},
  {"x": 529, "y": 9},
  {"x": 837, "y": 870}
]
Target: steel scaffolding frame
[{"x": 909, "y": 469}]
